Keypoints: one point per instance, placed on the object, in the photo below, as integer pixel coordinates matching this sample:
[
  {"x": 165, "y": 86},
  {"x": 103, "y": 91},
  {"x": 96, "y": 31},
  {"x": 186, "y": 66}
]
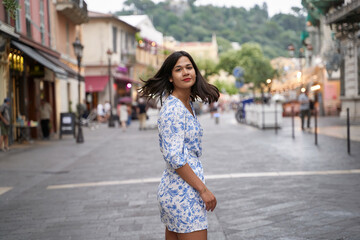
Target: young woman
[{"x": 182, "y": 194}]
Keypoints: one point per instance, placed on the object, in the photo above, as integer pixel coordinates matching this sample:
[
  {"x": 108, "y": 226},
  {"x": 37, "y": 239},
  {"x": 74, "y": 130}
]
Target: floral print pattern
[{"x": 181, "y": 207}]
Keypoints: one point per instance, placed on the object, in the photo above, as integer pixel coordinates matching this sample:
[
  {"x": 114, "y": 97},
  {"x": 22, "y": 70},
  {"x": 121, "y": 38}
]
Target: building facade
[
  {"x": 336, "y": 22},
  {"x": 109, "y": 58},
  {"x": 150, "y": 53},
  {"x": 32, "y": 69},
  {"x": 345, "y": 22}
]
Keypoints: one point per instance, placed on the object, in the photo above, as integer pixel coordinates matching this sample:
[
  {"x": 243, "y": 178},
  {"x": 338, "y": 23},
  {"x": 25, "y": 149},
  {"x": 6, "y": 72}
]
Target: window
[
  {"x": 17, "y": 22},
  {"x": 28, "y": 18},
  {"x": 67, "y": 39},
  {"x": 358, "y": 68},
  {"x": 126, "y": 41},
  {"x": 114, "y": 32},
  {"x": 42, "y": 21}
]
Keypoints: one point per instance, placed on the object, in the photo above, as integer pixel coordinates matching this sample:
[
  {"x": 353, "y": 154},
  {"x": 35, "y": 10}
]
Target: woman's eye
[{"x": 189, "y": 68}]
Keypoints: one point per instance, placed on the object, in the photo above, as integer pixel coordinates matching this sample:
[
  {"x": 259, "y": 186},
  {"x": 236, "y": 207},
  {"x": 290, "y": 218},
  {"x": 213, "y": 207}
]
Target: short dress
[{"x": 181, "y": 208}]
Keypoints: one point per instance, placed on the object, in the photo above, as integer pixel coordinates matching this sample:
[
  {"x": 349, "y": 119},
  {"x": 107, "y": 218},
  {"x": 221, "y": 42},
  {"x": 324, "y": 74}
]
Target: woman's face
[{"x": 183, "y": 74}]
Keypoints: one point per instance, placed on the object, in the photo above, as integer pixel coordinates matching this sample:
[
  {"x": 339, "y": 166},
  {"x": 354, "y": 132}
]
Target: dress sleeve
[{"x": 172, "y": 135}]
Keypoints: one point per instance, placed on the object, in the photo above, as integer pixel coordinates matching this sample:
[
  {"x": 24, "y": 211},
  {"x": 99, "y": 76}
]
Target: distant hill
[{"x": 188, "y": 22}]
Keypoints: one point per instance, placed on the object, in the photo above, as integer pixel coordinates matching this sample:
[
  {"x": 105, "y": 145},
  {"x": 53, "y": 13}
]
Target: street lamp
[
  {"x": 291, "y": 50},
  {"x": 111, "y": 120},
  {"x": 78, "y": 49},
  {"x": 268, "y": 81}
]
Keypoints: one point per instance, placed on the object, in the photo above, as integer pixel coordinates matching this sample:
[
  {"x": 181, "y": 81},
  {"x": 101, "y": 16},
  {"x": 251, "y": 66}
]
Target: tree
[
  {"x": 142, "y": 5},
  {"x": 256, "y": 66},
  {"x": 207, "y": 67},
  {"x": 223, "y": 86},
  {"x": 224, "y": 45},
  {"x": 233, "y": 24}
]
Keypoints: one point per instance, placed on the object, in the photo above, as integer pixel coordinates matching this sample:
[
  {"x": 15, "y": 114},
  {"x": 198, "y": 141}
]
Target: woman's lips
[{"x": 187, "y": 80}]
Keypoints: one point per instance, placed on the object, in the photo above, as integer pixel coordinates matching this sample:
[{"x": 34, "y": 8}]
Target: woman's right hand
[{"x": 209, "y": 199}]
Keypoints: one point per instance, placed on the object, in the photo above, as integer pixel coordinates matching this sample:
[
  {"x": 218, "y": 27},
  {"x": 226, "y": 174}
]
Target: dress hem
[{"x": 195, "y": 230}]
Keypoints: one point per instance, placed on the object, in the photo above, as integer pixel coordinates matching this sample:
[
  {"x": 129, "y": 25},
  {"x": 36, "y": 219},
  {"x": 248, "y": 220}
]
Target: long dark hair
[{"x": 159, "y": 85}]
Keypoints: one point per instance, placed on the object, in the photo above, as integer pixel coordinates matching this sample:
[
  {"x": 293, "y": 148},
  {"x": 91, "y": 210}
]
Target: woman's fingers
[
  {"x": 209, "y": 200},
  {"x": 210, "y": 205}
]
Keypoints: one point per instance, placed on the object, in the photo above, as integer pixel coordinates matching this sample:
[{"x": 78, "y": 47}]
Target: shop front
[
  {"x": 31, "y": 78},
  {"x": 94, "y": 87}
]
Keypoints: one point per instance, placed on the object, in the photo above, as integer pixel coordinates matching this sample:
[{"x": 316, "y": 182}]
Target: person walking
[
  {"x": 304, "y": 109},
  {"x": 141, "y": 109},
  {"x": 45, "y": 117},
  {"x": 100, "y": 113},
  {"x": 5, "y": 125},
  {"x": 123, "y": 115},
  {"x": 182, "y": 194}
]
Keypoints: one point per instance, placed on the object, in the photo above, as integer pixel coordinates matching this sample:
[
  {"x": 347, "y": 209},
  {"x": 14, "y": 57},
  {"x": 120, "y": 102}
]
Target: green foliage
[
  {"x": 11, "y": 6},
  {"x": 138, "y": 37},
  {"x": 224, "y": 45},
  {"x": 141, "y": 5},
  {"x": 148, "y": 73},
  {"x": 206, "y": 66},
  {"x": 256, "y": 66},
  {"x": 225, "y": 87},
  {"x": 198, "y": 23}
]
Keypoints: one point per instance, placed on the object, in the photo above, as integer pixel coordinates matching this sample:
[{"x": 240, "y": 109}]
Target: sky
[{"x": 274, "y": 6}]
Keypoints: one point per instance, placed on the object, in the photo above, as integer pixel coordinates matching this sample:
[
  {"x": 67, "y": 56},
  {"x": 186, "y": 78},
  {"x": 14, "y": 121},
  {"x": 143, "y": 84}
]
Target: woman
[
  {"x": 182, "y": 194},
  {"x": 123, "y": 115}
]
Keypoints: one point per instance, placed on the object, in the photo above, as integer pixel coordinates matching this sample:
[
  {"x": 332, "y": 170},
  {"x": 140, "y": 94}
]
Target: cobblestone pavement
[{"x": 268, "y": 186}]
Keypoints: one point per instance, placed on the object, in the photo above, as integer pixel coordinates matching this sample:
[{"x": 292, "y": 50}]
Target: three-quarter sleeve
[{"x": 171, "y": 127}]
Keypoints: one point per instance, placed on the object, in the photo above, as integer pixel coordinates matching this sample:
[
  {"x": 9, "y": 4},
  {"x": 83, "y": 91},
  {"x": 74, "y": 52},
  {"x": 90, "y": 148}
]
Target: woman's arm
[{"x": 194, "y": 181}]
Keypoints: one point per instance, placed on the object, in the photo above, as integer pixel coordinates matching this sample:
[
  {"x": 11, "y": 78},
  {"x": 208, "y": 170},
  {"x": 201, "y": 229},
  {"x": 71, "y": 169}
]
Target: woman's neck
[{"x": 184, "y": 96}]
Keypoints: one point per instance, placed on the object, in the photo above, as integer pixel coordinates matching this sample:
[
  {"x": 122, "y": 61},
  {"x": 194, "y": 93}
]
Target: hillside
[{"x": 188, "y": 22}]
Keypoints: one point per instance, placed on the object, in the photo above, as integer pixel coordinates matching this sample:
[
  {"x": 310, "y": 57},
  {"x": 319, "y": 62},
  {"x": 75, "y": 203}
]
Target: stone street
[{"x": 268, "y": 186}]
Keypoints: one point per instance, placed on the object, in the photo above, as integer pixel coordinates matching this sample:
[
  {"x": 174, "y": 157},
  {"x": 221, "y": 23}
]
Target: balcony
[
  {"x": 128, "y": 56},
  {"x": 75, "y": 10}
]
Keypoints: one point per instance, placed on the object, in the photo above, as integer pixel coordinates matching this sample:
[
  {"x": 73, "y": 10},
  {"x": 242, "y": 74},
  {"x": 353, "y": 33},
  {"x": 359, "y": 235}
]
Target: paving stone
[{"x": 293, "y": 207}]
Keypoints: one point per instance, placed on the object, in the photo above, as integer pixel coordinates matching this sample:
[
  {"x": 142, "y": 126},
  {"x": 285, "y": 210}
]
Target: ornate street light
[
  {"x": 111, "y": 120},
  {"x": 291, "y": 50},
  {"x": 78, "y": 49}
]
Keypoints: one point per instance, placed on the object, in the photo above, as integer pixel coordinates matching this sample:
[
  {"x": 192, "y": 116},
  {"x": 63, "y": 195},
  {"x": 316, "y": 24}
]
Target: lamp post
[
  {"x": 111, "y": 120},
  {"x": 291, "y": 50},
  {"x": 268, "y": 81},
  {"x": 78, "y": 49}
]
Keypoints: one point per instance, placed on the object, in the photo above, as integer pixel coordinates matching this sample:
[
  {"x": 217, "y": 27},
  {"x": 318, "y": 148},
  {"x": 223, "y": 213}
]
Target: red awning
[
  {"x": 95, "y": 83},
  {"x": 119, "y": 77}
]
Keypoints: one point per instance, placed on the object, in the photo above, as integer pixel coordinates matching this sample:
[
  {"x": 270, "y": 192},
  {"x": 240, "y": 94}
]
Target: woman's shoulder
[{"x": 172, "y": 105}]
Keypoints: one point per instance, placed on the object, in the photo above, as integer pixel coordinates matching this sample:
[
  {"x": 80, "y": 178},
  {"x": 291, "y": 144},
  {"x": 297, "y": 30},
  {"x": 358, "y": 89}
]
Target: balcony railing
[{"x": 75, "y": 10}]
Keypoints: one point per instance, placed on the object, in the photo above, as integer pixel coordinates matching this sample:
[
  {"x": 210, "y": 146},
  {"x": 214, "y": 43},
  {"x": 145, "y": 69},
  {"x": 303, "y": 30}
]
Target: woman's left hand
[{"x": 209, "y": 199}]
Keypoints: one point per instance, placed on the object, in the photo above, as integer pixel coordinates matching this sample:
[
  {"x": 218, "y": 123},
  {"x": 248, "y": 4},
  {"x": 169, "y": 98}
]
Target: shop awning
[
  {"x": 32, "y": 53},
  {"x": 95, "y": 83},
  {"x": 70, "y": 72},
  {"x": 122, "y": 78}
]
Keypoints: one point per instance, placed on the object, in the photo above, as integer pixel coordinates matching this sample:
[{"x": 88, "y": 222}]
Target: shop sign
[{"x": 67, "y": 124}]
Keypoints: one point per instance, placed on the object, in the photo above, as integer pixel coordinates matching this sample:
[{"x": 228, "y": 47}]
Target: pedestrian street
[{"x": 268, "y": 186}]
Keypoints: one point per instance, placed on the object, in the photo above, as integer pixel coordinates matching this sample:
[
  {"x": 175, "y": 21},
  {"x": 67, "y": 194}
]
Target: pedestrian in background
[
  {"x": 182, "y": 194},
  {"x": 129, "y": 110},
  {"x": 45, "y": 117},
  {"x": 100, "y": 113},
  {"x": 5, "y": 125},
  {"x": 122, "y": 110},
  {"x": 107, "y": 109},
  {"x": 141, "y": 110},
  {"x": 304, "y": 109}
]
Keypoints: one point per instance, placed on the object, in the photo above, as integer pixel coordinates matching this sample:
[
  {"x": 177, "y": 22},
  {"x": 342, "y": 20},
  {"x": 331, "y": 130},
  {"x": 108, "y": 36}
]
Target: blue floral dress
[{"x": 181, "y": 208}]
